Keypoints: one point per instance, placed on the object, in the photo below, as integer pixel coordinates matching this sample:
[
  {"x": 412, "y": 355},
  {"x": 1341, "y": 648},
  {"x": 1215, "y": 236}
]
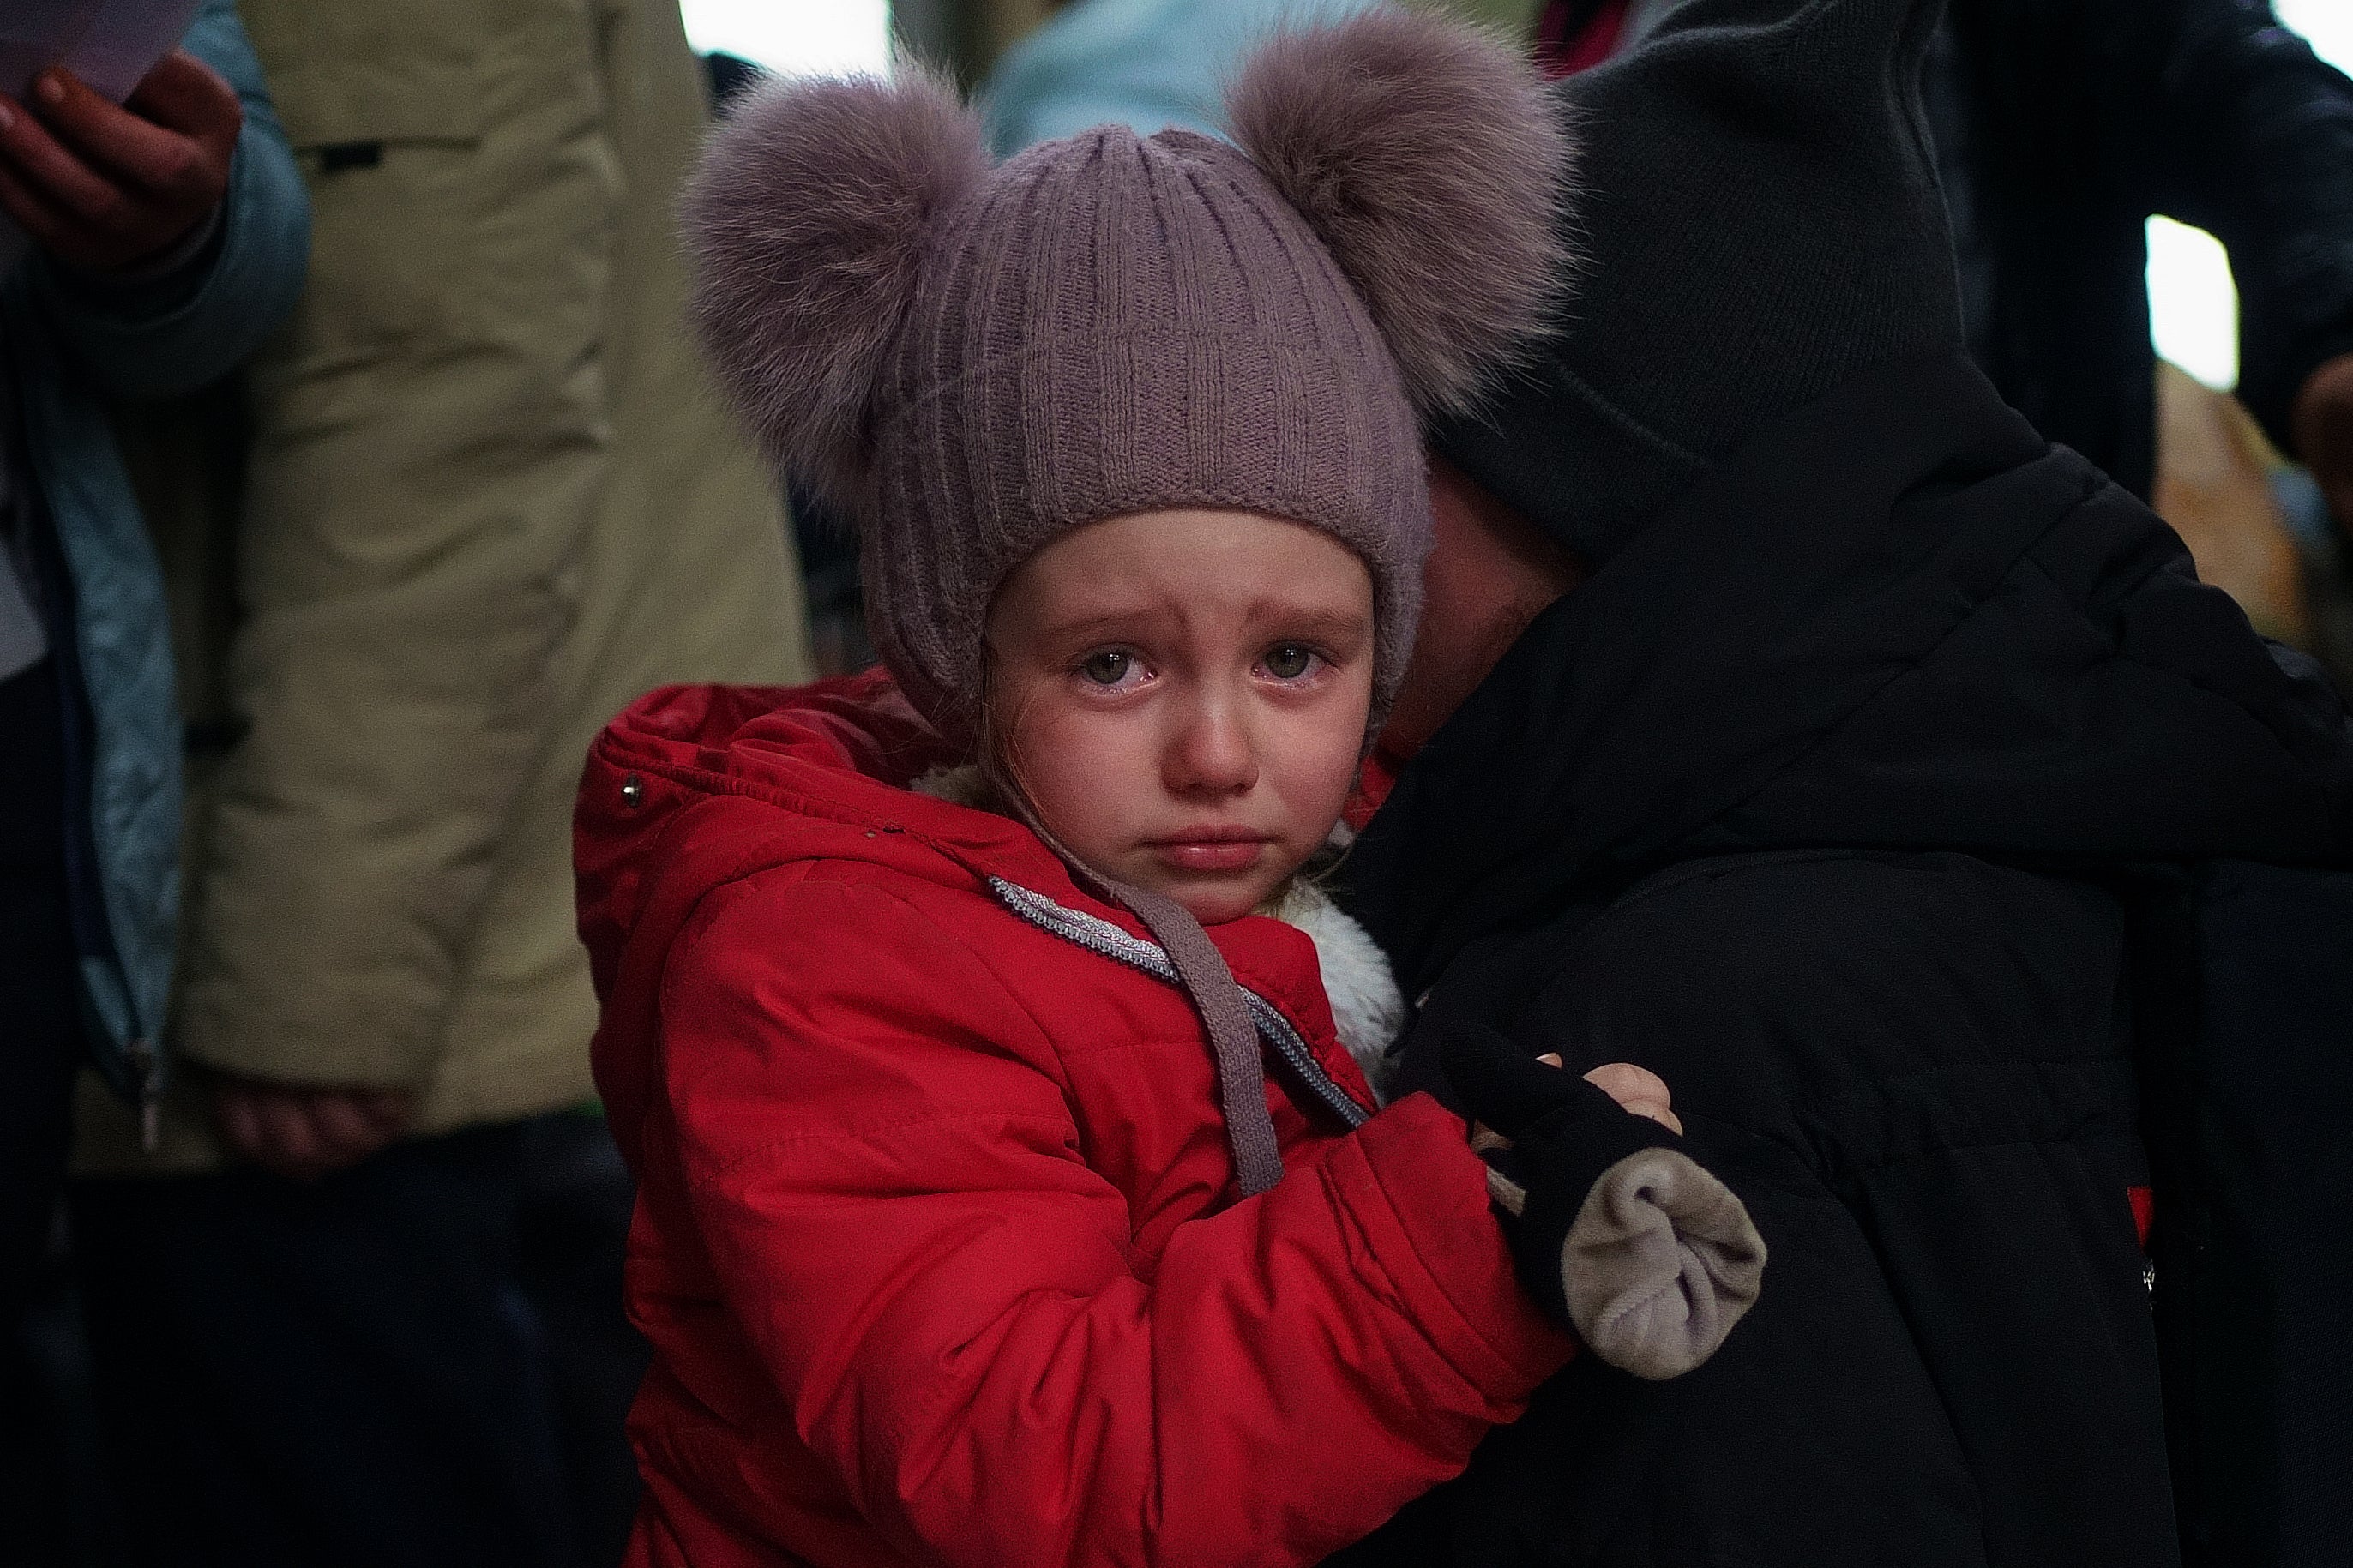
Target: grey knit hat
[{"x": 970, "y": 361}]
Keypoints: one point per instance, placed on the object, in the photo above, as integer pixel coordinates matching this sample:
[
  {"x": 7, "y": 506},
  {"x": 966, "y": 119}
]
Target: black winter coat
[
  {"x": 1831, "y": 798},
  {"x": 2063, "y": 125}
]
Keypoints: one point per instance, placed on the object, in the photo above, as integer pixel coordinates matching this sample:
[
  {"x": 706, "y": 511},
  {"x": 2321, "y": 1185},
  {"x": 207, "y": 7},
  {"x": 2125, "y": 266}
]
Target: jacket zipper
[{"x": 1105, "y": 940}]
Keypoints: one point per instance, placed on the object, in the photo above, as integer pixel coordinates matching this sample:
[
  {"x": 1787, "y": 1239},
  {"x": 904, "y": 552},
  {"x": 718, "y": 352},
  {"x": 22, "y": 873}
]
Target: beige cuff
[{"x": 1662, "y": 1262}]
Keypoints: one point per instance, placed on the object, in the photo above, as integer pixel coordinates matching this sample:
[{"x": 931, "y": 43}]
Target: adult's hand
[
  {"x": 306, "y": 1131},
  {"x": 2322, "y": 421},
  {"x": 106, "y": 189}
]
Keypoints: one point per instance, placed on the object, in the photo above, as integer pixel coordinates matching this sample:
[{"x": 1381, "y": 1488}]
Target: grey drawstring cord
[
  {"x": 1241, "y": 1071},
  {"x": 1201, "y": 970}
]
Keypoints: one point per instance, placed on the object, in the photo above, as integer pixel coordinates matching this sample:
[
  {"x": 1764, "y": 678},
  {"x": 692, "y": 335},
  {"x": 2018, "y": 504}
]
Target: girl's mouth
[{"x": 1211, "y": 849}]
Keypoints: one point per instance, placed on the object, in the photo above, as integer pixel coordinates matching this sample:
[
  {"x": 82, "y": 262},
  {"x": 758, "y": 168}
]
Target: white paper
[{"x": 110, "y": 43}]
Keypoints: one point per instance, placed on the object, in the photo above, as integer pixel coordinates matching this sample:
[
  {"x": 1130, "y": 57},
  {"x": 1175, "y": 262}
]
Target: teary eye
[
  {"x": 1108, "y": 668},
  {"x": 1288, "y": 660}
]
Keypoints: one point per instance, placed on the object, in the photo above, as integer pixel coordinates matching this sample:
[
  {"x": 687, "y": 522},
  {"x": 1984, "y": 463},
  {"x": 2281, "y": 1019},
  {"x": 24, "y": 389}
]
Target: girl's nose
[{"x": 1211, "y": 752}]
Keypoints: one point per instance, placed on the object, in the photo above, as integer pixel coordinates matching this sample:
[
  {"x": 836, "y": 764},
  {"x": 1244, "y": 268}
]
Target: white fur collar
[
  {"x": 958, "y": 784},
  {"x": 1367, "y": 1006}
]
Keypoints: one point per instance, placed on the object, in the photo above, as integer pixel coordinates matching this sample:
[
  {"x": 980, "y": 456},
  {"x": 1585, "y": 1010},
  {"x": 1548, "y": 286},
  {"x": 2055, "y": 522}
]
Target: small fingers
[
  {"x": 1639, "y": 1090},
  {"x": 1496, "y": 1081},
  {"x": 1624, "y": 1081},
  {"x": 1485, "y": 1138},
  {"x": 1658, "y": 1113}
]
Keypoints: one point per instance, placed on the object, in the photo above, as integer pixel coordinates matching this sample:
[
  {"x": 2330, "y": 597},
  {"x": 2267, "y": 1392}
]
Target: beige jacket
[{"x": 486, "y": 499}]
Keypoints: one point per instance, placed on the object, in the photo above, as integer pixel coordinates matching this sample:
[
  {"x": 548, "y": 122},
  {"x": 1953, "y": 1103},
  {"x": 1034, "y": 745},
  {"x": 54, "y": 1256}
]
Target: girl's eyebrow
[
  {"x": 1333, "y": 626},
  {"x": 1096, "y": 625},
  {"x": 1330, "y": 625}
]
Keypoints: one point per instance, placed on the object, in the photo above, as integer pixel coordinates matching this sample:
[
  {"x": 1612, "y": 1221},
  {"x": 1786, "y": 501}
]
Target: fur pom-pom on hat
[
  {"x": 807, "y": 224},
  {"x": 971, "y": 361},
  {"x": 1430, "y": 162}
]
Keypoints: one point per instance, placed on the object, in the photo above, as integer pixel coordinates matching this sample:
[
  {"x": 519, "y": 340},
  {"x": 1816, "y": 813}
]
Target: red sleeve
[{"x": 888, "y": 1180}]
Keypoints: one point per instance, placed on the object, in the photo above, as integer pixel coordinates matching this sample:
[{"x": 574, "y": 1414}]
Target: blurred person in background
[
  {"x": 1144, "y": 64},
  {"x": 2061, "y": 127},
  {"x": 360, "y": 1303},
  {"x": 153, "y": 246}
]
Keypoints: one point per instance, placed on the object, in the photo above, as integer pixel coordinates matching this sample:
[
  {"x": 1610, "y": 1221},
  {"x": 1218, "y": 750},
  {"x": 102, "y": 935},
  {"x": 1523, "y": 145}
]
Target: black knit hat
[{"x": 1760, "y": 219}]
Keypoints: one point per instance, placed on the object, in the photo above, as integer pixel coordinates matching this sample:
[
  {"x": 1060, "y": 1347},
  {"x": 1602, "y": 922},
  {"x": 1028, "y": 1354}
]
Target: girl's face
[{"x": 1182, "y": 696}]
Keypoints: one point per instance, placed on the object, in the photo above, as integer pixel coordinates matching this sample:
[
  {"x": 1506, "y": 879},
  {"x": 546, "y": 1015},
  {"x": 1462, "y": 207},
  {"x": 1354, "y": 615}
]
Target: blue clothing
[
  {"x": 72, "y": 347},
  {"x": 1145, "y": 64}
]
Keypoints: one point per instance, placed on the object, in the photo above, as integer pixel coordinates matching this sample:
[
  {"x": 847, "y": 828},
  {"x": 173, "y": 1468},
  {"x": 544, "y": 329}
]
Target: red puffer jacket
[{"x": 936, "y": 1243}]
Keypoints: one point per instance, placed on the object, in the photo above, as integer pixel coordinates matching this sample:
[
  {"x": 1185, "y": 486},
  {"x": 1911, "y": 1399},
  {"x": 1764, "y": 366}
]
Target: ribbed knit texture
[
  {"x": 1114, "y": 325},
  {"x": 1759, "y": 220},
  {"x": 969, "y": 360}
]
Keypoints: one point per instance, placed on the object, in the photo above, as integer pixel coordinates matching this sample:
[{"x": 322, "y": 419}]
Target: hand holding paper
[{"x": 105, "y": 188}]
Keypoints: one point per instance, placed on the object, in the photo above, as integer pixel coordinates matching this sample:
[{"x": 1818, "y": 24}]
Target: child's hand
[
  {"x": 1637, "y": 1090},
  {"x": 104, "y": 189}
]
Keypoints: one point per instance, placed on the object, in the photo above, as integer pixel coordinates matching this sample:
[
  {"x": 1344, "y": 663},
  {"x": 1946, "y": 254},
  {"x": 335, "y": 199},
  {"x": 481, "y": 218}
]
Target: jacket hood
[
  {"x": 694, "y": 786},
  {"x": 1895, "y": 619},
  {"x": 831, "y": 763}
]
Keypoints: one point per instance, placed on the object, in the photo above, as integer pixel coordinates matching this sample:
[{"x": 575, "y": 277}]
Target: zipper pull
[{"x": 147, "y": 1075}]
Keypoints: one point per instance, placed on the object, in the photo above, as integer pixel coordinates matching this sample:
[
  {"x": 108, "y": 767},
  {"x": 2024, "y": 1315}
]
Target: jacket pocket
[
  {"x": 447, "y": 145},
  {"x": 388, "y": 163}
]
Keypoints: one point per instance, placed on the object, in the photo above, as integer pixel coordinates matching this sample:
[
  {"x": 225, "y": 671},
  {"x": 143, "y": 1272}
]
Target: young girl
[{"x": 973, "y": 1227}]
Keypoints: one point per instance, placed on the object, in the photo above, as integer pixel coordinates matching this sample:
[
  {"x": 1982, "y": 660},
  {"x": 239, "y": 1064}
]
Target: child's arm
[
  {"x": 889, "y": 1183},
  {"x": 1617, "y": 1229}
]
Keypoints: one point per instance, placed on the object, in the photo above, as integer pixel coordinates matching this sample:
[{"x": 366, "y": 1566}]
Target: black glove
[{"x": 1615, "y": 1228}]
